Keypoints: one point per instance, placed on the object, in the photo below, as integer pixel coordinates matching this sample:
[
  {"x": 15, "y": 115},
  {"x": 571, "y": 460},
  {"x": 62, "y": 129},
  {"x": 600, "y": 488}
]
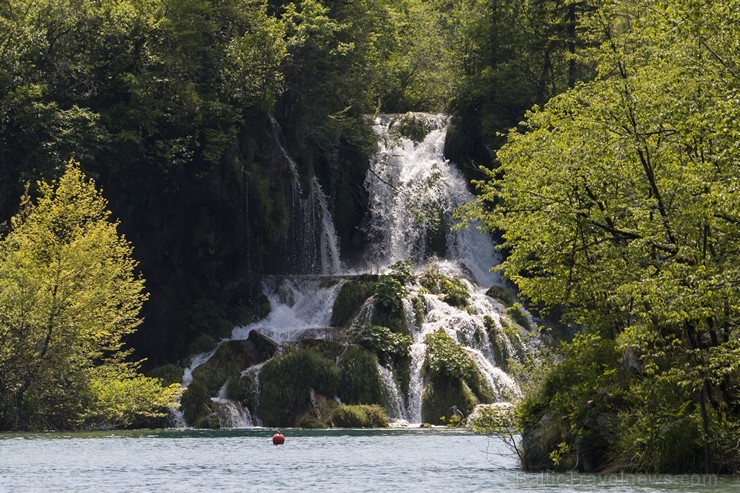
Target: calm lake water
[{"x": 321, "y": 460}]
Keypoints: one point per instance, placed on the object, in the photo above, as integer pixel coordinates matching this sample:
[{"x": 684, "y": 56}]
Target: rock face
[{"x": 210, "y": 232}]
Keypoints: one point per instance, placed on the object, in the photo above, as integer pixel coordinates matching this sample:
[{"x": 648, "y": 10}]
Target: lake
[{"x": 394, "y": 460}]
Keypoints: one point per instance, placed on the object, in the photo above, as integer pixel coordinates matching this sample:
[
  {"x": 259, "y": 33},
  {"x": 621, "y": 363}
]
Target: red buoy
[{"x": 278, "y": 439}]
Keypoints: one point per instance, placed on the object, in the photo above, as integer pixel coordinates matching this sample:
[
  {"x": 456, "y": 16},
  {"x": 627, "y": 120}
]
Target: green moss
[
  {"x": 240, "y": 388},
  {"x": 310, "y": 421},
  {"x": 402, "y": 374},
  {"x": 285, "y": 382},
  {"x": 519, "y": 315},
  {"x": 503, "y": 294},
  {"x": 352, "y": 295},
  {"x": 168, "y": 374},
  {"x": 480, "y": 387},
  {"x": 453, "y": 291},
  {"x": 228, "y": 362},
  {"x": 419, "y": 309},
  {"x": 360, "y": 381},
  {"x": 330, "y": 350},
  {"x": 394, "y": 320},
  {"x": 441, "y": 395},
  {"x": 360, "y": 416},
  {"x": 194, "y": 404}
]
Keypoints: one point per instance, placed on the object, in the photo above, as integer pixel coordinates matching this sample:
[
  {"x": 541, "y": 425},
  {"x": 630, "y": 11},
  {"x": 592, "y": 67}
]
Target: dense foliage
[
  {"x": 618, "y": 205},
  {"x": 69, "y": 295}
]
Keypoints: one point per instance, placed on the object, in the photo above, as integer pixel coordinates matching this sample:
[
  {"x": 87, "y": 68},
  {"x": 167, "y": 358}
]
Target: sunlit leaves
[{"x": 70, "y": 295}]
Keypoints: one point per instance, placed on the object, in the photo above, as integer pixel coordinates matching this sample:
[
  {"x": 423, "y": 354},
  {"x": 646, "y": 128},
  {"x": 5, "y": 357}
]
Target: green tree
[
  {"x": 69, "y": 295},
  {"x": 618, "y": 202}
]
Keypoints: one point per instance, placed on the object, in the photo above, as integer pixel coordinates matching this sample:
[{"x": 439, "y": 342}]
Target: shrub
[
  {"x": 381, "y": 340},
  {"x": 389, "y": 293},
  {"x": 446, "y": 357},
  {"x": 401, "y": 271}
]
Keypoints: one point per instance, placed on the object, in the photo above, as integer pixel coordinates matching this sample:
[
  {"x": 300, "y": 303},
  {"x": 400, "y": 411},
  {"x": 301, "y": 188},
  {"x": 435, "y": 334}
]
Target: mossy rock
[
  {"x": 480, "y": 387},
  {"x": 194, "y": 404},
  {"x": 451, "y": 290},
  {"x": 168, "y": 374},
  {"x": 285, "y": 383},
  {"x": 394, "y": 320},
  {"x": 202, "y": 344},
  {"x": 503, "y": 294},
  {"x": 441, "y": 395},
  {"x": 310, "y": 421},
  {"x": 360, "y": 381},
  {"x": 227, "y": 362},
  {"x": 419, "y": 309},
  {"x": 402, "y": 374},
  {"x": 539, "y": 439},
  {"x": 360, "y": 416},
  {"x": 352, "y": 295},
  {"x": 240, "y": 388},
  {"x": 330, "y": 350}
]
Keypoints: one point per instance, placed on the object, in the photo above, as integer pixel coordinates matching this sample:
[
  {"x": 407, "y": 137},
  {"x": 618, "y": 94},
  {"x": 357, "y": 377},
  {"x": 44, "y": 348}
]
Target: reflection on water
[{"x": 310, "y": 460}]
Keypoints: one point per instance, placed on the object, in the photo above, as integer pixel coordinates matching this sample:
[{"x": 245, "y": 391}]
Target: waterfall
[
  {"x": 395, "y": 403},
  {"x": 300, "y": 307},
  {"x": 414, "y": 192},
  {"x": 313, "y": 243}
]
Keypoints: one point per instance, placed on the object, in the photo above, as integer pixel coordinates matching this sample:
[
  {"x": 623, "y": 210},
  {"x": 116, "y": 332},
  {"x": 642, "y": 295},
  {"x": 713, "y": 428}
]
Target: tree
[
  {"x": 69, "y": 295},
  {"x": 618, "y": 202}
]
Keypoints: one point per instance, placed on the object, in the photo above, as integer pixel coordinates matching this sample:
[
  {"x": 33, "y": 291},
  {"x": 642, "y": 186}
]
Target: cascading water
[
  {"x": 313, "y": 246},
  {"x": 300, "y": 307},
  {"x": 413, "y": 192},
  {"x": 396, "y": 407}
]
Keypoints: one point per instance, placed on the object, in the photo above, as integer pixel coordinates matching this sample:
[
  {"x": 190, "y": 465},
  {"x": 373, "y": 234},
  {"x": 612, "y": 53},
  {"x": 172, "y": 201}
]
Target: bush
[
  {"x": 382, "y": 341},
  {"x": 360, "y": 416},
  {"x": 389, "y": 296},
  {"x": 401, "y": 271},
  {"x": 446, "y": 357},
  {"x": 389, "y": 293}
]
